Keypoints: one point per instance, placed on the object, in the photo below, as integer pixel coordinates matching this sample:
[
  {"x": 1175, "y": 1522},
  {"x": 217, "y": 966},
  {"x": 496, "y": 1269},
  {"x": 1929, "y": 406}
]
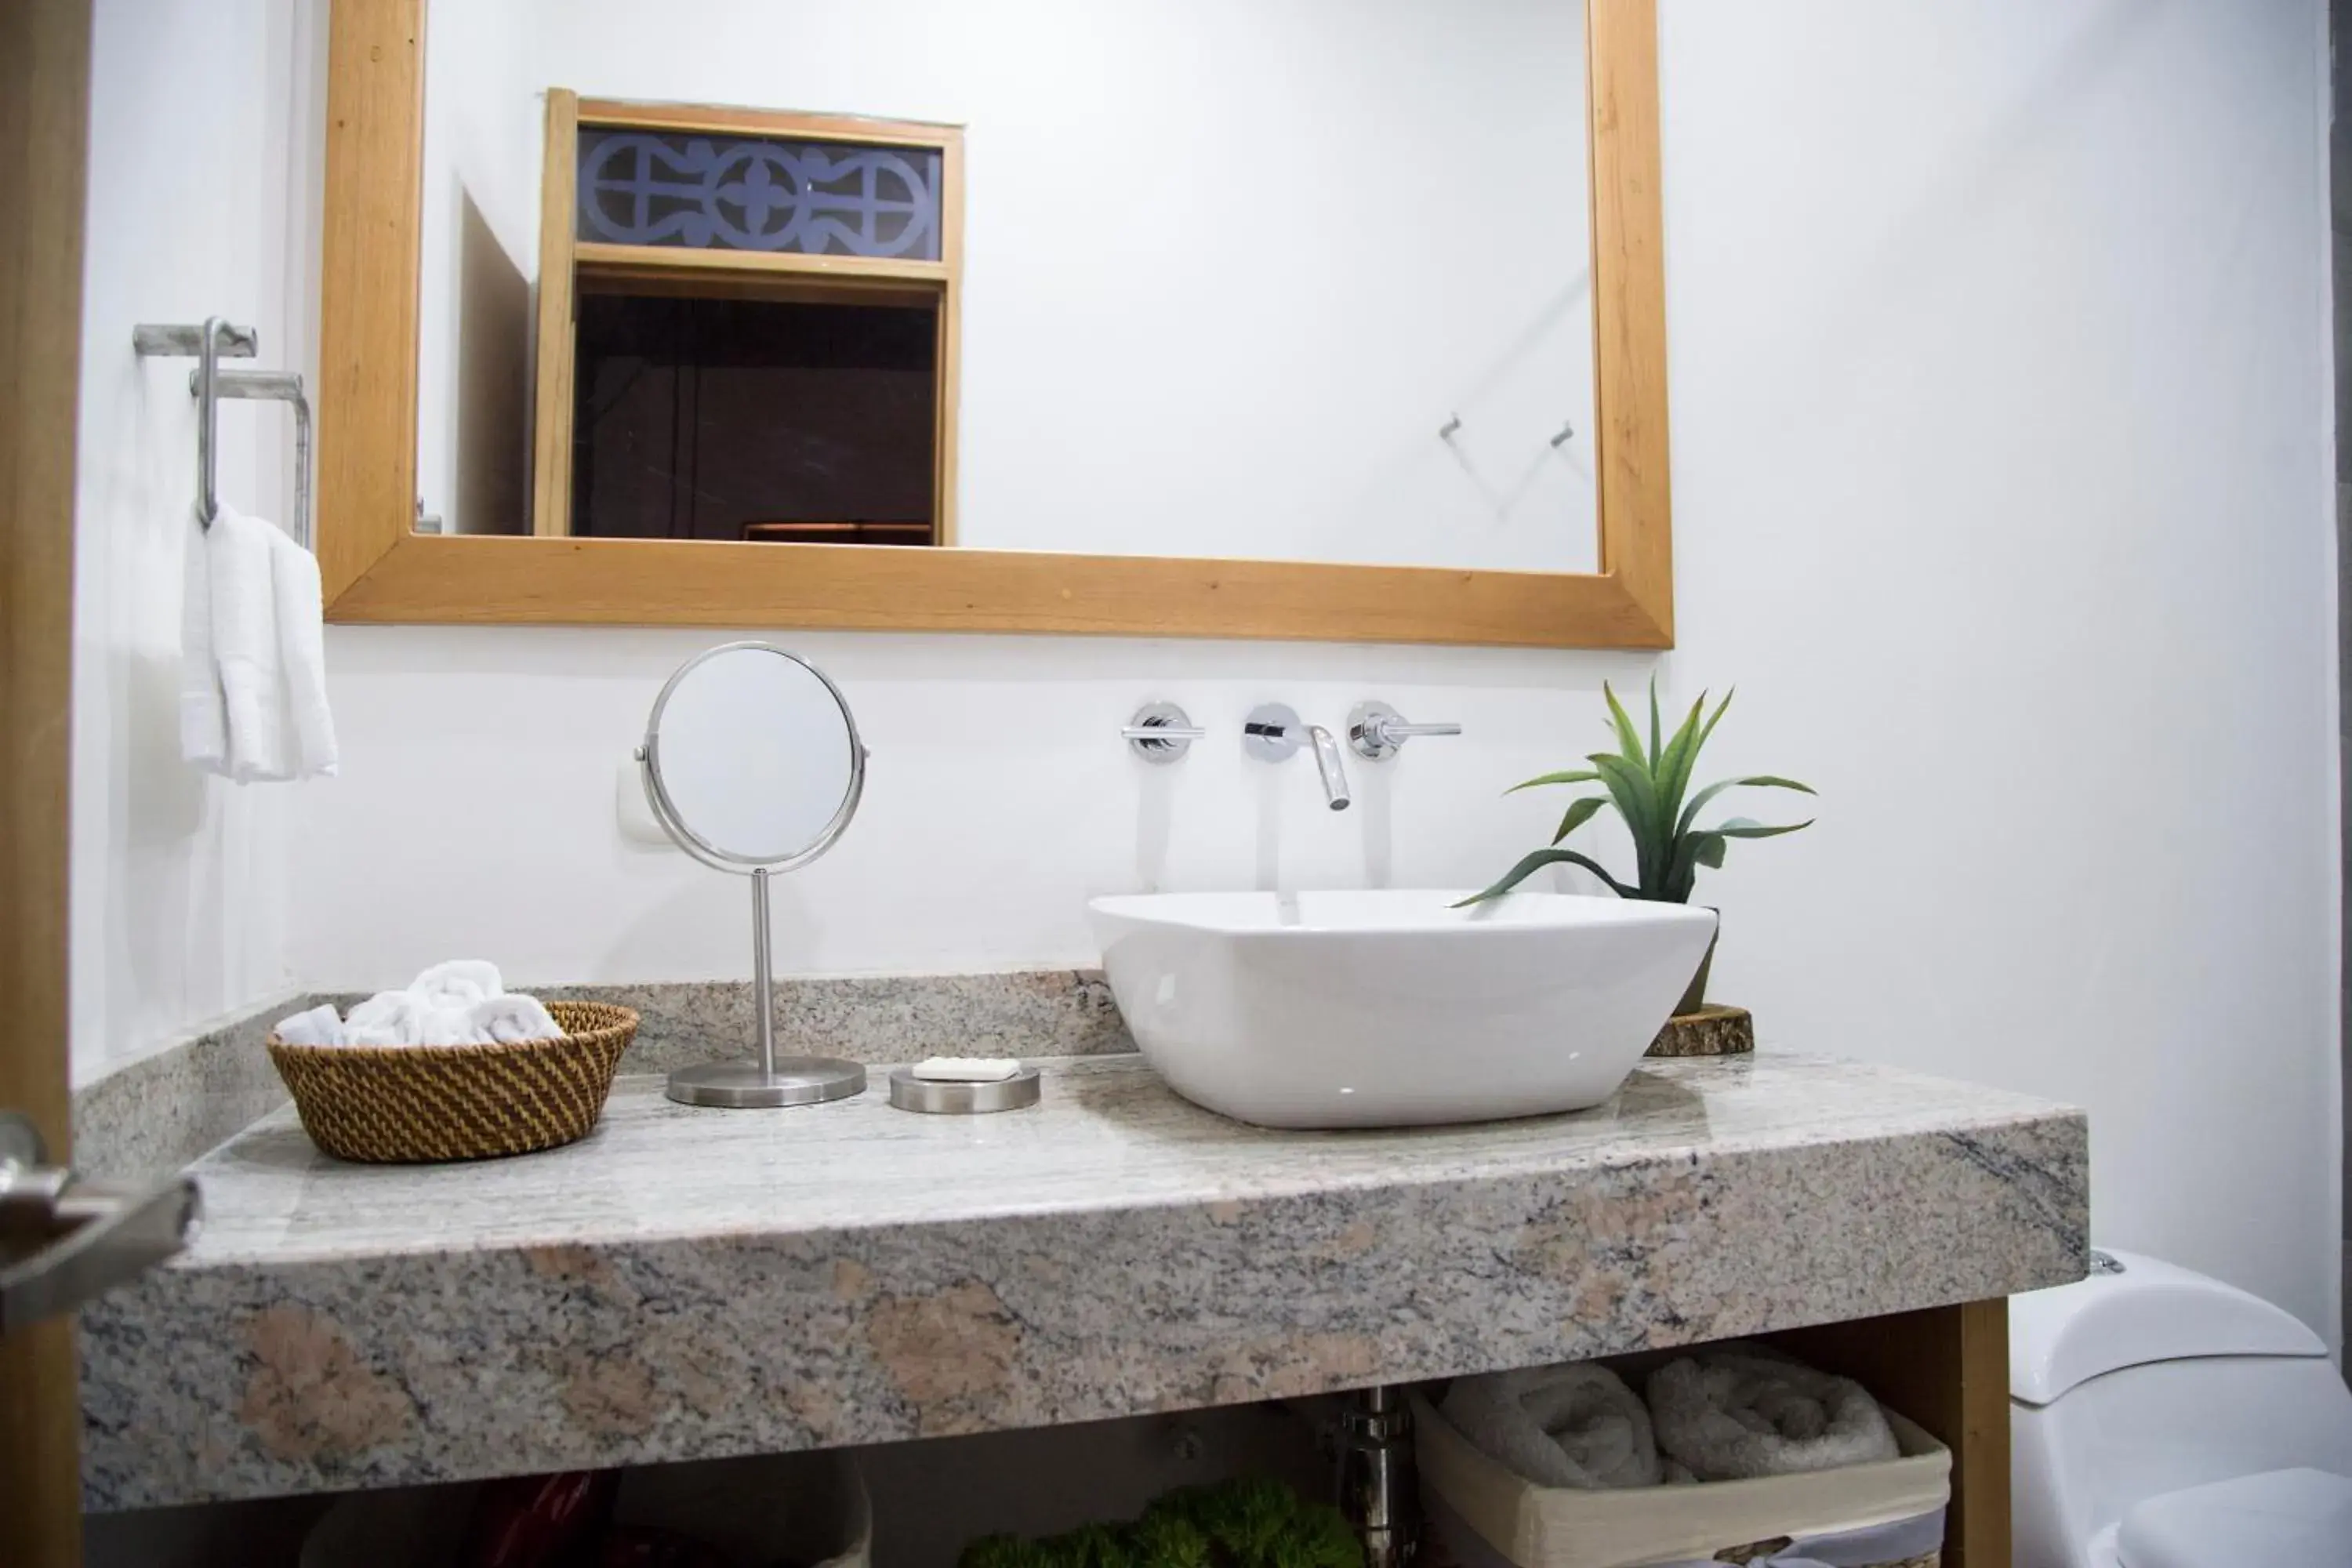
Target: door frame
[{"x": 43, "y": 157}]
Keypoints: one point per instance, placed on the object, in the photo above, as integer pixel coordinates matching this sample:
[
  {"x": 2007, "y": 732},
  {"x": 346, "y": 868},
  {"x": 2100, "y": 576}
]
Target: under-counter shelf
[{"x": 694, "y": 1283}]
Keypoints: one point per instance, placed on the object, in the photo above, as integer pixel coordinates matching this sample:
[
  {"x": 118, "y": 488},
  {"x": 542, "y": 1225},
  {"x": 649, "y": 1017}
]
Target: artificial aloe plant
[{"x": 1647, "y": 789}]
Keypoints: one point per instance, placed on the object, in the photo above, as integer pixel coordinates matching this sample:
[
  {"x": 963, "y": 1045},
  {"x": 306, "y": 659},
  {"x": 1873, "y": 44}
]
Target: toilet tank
[{"x": 2133, "y": 1384}]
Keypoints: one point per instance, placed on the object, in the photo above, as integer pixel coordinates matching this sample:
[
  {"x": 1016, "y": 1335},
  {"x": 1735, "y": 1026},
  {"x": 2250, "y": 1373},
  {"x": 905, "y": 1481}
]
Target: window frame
[{"x": 568, "y": 266}]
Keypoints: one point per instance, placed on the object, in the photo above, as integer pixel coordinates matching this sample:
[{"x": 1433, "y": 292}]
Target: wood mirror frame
[{"x": 378, "y": 568}]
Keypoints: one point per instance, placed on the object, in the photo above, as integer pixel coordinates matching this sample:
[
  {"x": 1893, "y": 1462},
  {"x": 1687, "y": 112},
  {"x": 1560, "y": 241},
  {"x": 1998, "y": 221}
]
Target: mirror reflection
[
  {"x": 751, "y": 758},
  {"x": 1307, "y": 281}
]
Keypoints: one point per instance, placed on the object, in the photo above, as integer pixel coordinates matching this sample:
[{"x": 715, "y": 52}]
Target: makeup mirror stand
[
  {"x": 765, "y": 1081},
  {"x": 687, "y": 781}
]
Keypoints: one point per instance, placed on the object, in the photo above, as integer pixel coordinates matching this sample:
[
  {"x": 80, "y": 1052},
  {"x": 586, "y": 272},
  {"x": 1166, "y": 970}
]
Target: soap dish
[{"x": 936, "y": 1097}]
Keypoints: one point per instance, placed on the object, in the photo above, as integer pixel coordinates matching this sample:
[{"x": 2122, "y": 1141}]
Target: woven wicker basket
[
  {"x": 1483, "y": 1515},
  {"x": 409, "y": 1104}
]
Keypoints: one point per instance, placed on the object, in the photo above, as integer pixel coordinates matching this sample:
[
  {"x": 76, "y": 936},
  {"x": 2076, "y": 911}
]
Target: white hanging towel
[
  {"x": 253, "y": 689},
  {"x": 204, "y": 721},
  {"x": 244, "y": 648},
  {"x": 302, "y": 654}
]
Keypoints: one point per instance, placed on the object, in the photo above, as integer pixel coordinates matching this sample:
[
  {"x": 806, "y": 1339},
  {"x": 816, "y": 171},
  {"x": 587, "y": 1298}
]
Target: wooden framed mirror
[{"x": 1253, "y": 398}]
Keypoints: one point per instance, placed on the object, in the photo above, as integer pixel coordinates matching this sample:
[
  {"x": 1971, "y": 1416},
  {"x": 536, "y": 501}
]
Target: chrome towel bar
[{"x": 208, "y": 345}]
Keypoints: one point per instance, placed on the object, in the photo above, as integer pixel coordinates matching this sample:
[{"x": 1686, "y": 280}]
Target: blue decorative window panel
[{"x": 715, "y": 193}]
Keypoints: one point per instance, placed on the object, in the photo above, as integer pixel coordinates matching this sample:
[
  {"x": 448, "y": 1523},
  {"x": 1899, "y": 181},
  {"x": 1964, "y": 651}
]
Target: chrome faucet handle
[
  {"x": 1273, "y": 733},
  {"x": 1162, "y": 732},
  {"x": 1378, "y": 731}
]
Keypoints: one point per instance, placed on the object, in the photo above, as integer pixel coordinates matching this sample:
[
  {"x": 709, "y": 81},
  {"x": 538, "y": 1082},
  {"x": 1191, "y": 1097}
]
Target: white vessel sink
[{"x": 1391, "y": 1008}]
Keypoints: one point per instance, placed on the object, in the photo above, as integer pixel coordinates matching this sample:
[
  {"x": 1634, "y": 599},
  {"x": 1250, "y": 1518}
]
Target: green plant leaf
[
  {"x": 1685, "y": 760},
  {"x": 1682, "y": 869},
  {"x": 1708, "y": 728},
  {"x": 1675, "y": 767},
  {"x": 1636, "y": 799},
  {"x": 1755, "y": 781},
  {"x": 1630, "y": 786},
  {"x": 1580, "y": 811},
  {"x": 1654, "y": 721},
  {"x": 1535, "y": 861},
  {"x": 1706, "y": 847},
  {"x": 1582, "y": 775},
  {"x": 1629, "y": 739},
  {"x": 1743, "y": 827},
  {"x": 1164, "y": 1539}
]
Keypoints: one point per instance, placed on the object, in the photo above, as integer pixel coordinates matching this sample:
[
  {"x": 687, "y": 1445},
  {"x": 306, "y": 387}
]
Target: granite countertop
[{"x": 692, "y": 1283}]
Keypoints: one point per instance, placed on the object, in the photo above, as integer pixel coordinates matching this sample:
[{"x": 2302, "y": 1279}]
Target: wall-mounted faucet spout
[
  {"x": 1328, "y": 763},
  {"x": 1273, "y": 733}
]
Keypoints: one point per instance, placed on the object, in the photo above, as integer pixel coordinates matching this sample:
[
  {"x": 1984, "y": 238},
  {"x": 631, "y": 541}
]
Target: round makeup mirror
[{"x": 753, "y": 764}]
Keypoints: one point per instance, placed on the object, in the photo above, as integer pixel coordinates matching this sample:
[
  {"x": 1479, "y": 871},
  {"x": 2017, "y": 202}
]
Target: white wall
[
  {"x": 478, "y": 254},
  {"x": 1229, "y": 266},
  {"x": 199, "y": 205}
]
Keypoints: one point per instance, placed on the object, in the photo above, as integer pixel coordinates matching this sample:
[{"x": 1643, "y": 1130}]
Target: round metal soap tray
[{"x": 909, "y": 1092}]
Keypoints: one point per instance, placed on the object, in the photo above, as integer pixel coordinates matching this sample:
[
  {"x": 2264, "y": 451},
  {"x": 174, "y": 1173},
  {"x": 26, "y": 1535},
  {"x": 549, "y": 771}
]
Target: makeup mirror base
[{"x": 743, "y": 1085}]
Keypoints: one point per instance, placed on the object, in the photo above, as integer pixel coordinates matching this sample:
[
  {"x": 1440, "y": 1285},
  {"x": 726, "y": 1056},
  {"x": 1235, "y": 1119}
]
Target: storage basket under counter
[
  {"x": 1481, "y": 1514},
  {"x": 419, "y": 1104}
]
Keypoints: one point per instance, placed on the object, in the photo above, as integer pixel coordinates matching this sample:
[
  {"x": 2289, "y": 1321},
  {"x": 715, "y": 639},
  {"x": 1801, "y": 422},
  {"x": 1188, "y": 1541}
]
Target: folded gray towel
[
  {"x": 1573, "y": 1425},
  {"x": 1737, "y": 1411}
]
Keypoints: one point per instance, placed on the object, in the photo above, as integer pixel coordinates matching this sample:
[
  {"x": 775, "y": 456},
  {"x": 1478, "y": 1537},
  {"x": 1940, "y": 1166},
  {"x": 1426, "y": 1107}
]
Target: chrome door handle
[
  {"x": 1378, "y": 731},
  {"x": 70, "y": 1240}
]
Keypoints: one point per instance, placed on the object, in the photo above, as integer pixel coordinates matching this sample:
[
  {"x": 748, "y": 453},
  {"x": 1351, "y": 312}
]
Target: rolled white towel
[
  {"x": 1739, "y": 1411},
  {"x": 386, "y": 1018},
  {"x": 1573, "y": 1425},
  {"x": 322, "y": 1025},
  {"x": 404, "y": 1018},
  {"x": 461, "y": 1003},
  {"x": 513, "y": 1017},
  {"x": 460, "y": 983}
]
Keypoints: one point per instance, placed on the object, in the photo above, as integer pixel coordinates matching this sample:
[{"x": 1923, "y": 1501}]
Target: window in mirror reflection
[
  {"x": 753, "y": 419},
  {"x": 637, "y": 187},
  {"x": 753, "y": 335}
]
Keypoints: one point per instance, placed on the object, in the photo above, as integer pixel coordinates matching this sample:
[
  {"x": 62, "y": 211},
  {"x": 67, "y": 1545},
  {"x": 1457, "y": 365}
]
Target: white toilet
[{"x": 2161, "y": 1419}]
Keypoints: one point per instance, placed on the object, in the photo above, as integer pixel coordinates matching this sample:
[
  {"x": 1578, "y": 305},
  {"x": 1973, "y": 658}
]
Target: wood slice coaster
[{"x": 1710, "y": 1032}]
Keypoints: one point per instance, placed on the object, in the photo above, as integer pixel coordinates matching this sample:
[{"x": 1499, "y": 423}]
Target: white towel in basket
[
  {"x": 1738, "y": 1410},
  {"x": 513, "y": 1016},
  {"x": 462, "y": 1003},
  {"x": 459, "y": 982},
  {"x": 1572, "y": 1426}
]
